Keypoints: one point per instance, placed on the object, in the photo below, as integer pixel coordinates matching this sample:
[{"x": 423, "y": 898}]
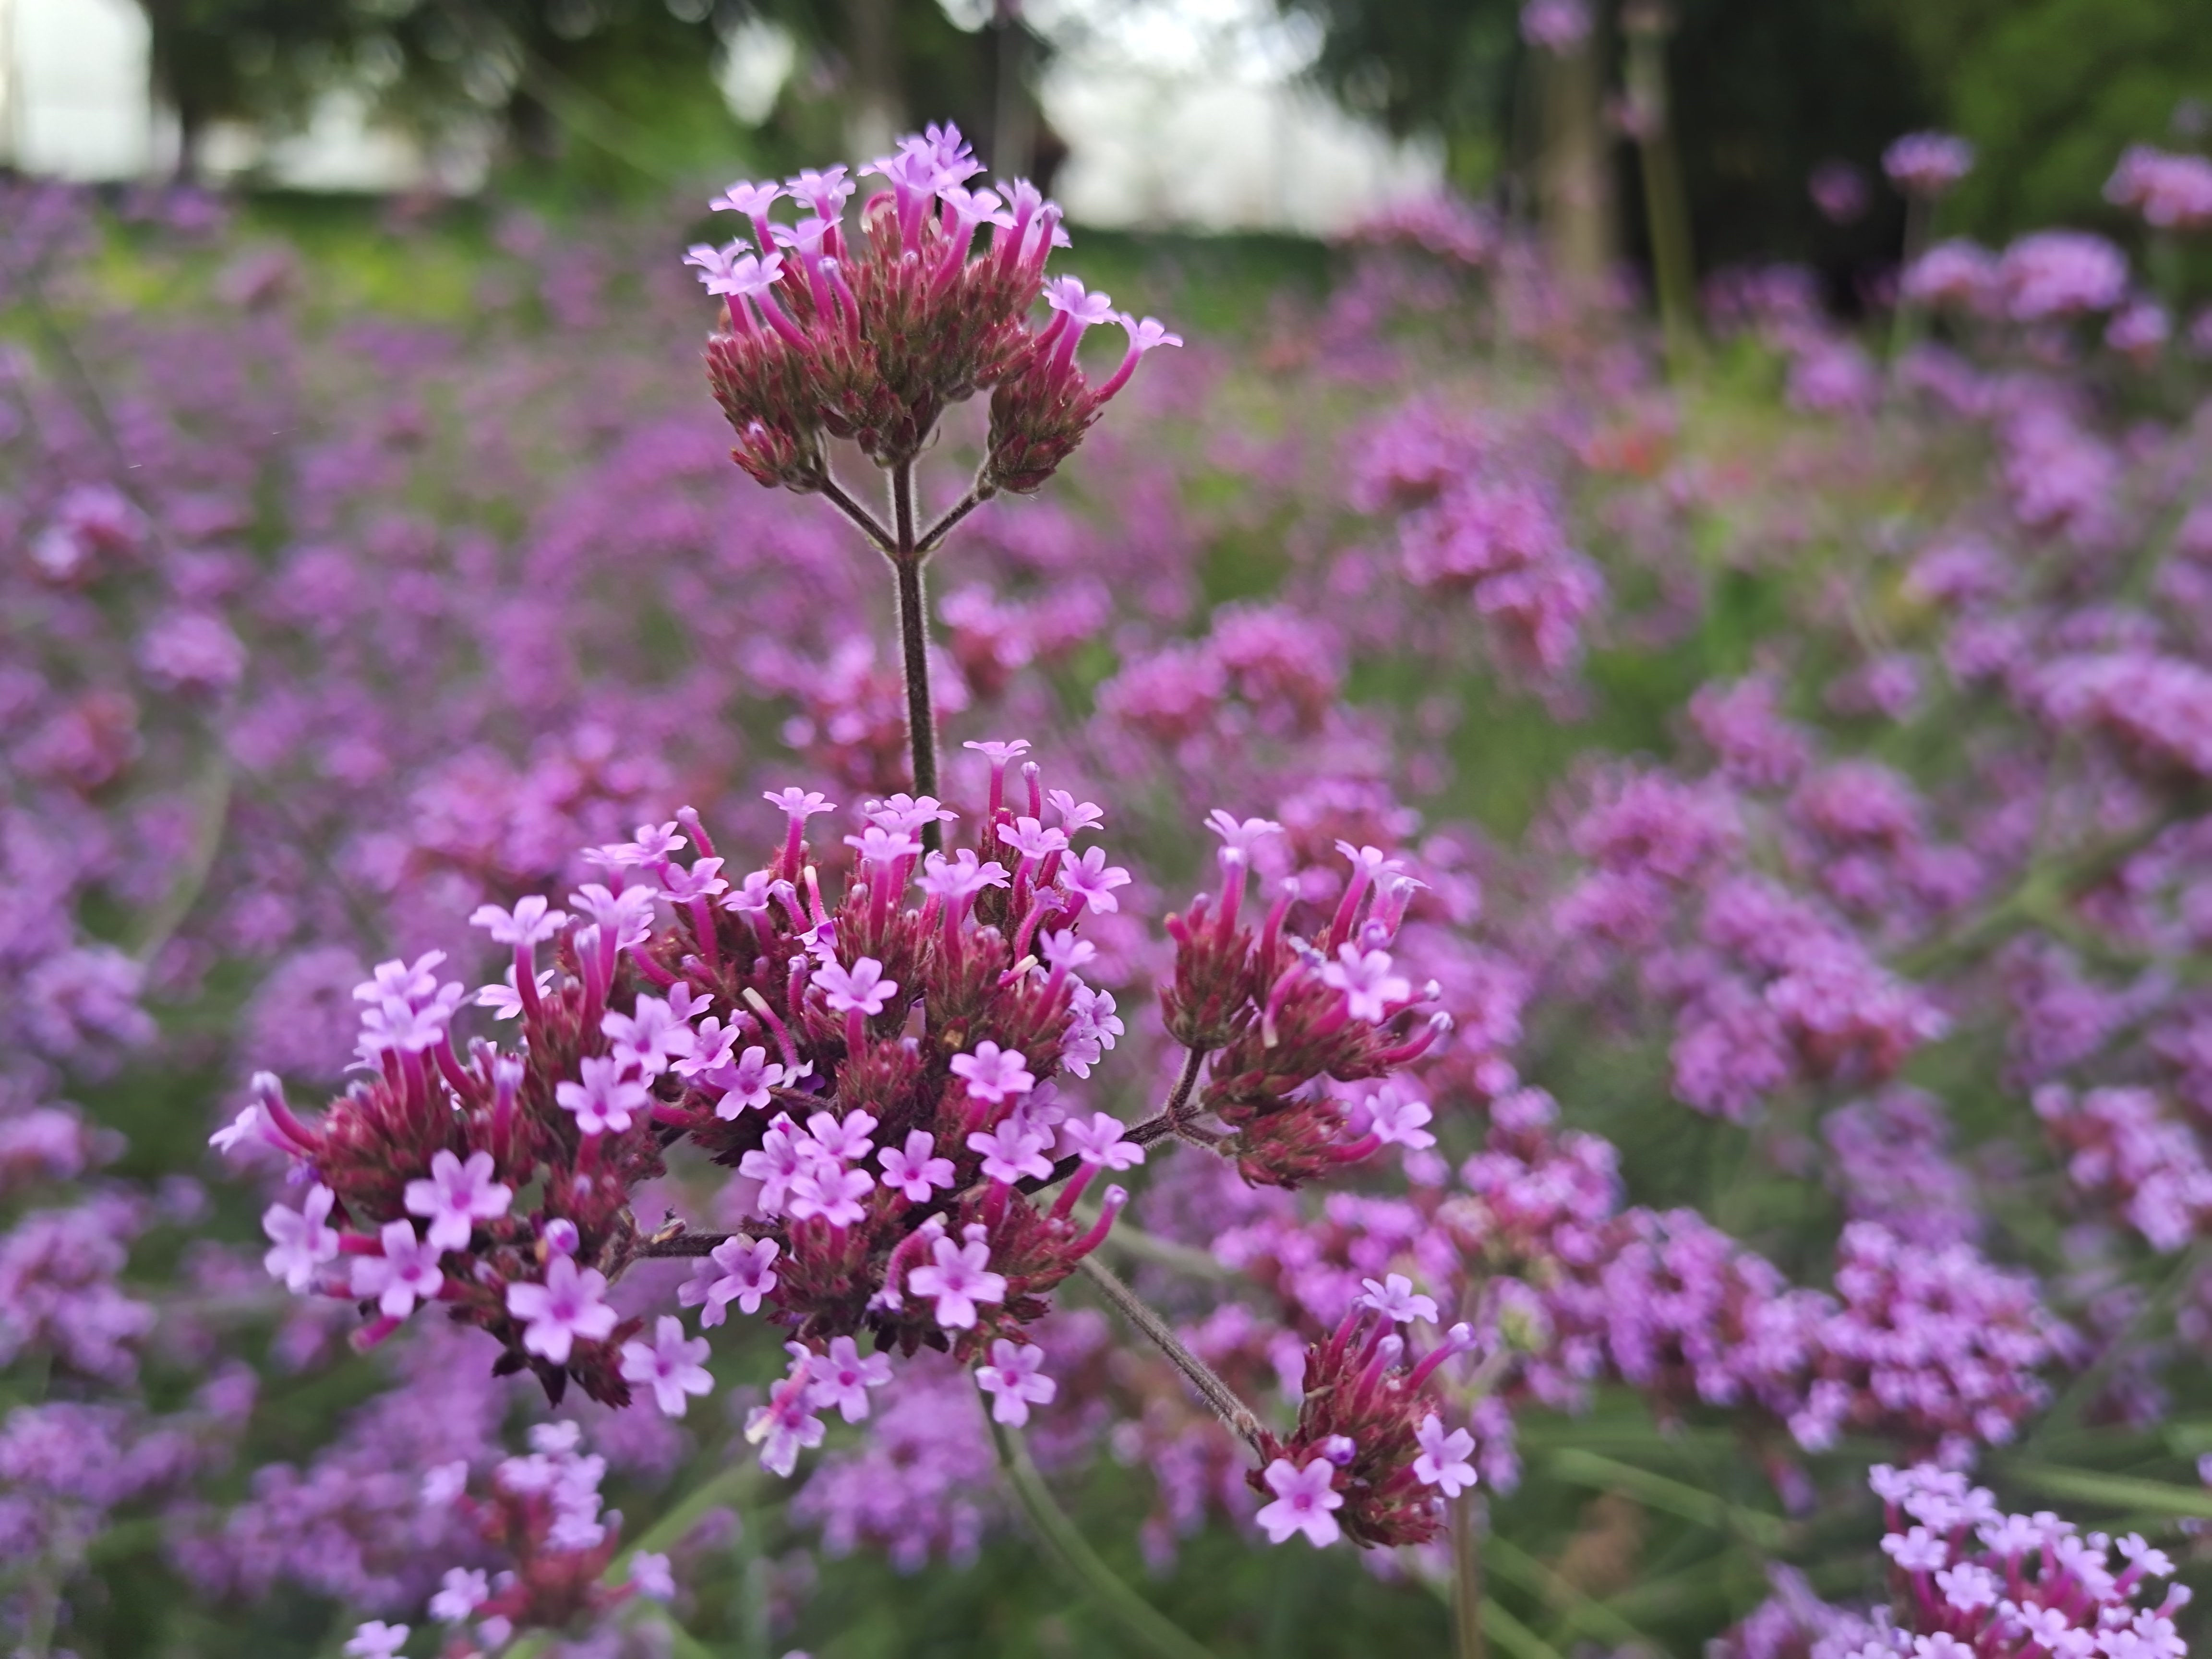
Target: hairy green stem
[
  {"x": 870, "y": 526},
  {"x": 1466, "y": 1518},
  {"x": 1202, "y": 1377},
  {"x": 2082, "y": 1390},
  {"x": 1174, "y": 1118},
  {"x": 673, "y": 1528},
  {"x": 1666, "y": 209},
  {"x": 208, "y": 822},
  {"x": 933, "y": 537},
  {"x": 1146, "y": 1626},
  {"x": 913, "y": 645}
]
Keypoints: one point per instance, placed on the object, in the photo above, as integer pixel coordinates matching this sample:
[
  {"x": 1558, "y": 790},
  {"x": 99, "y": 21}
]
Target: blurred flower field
[{"x": 1772, "y": 776}]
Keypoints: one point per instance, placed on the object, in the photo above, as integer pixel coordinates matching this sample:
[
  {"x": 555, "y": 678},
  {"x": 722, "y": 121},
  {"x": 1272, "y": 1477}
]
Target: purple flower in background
[
  {"x": 1102, "y": 1141},
  {"x": 1557, "y": 26},
  {"x": 912, "y": 1169},
  {"x": 376, "y": 1640},
  {"x": 993, "y": 1074},
  {"x": 605, "y": 1099},
  {"x": 462, "y": 1592},
  {"x": 2055, "y": 274},
  {"x": 1015, "y": 1149},
  {"x": 532, "y": 921},
  {"x": 1396, "y": 1300},
  {"x": 861, "y": 990},
  {"x": 786, "y": 1425},
  {"x": 1367, "y": 981},
  {"x": 650, "y": 1576},
  {"x": 747, "y": 1084},
  {"x": 1928, "y": 164},
  {"x": 1839, "y": 191}
]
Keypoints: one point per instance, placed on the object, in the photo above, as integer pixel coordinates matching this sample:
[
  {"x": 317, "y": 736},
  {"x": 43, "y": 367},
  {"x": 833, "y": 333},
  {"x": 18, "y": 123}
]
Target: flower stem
[
  {"x": 933, "y": 537},
  {"x": 1666, "y": 214},
  {"x": 1146, "y": 1628},
  {"x": 1201, "y": 1375},
  {"x": 673, "y": 1528},
  {"x": 1466, "y": 1576},
  {"x": 871, "y": 526},
  {"x": 914, "y": 645},
  {"x": 1171, "y": 1118}
]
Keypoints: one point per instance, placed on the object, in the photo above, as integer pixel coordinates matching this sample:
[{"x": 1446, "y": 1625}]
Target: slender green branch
[
  {"x": 1762, "y": 1531},
  {"x": 208, "y": 825},
  {"x": 1466, "y": 1519},
  {"x": 2115, "y": 1491},
  {"x": 1582, "y": 1612},
  {"x": 1201, "y": 1375},
  {"x": 914, "y": 645},
  {"x": 933, "y": 537},
  {"x": 673, "y": 1528},
  {"x": 1150, "y": 1248},
  {"x": 2083, "y": 1389},
  {"x": 1140, "y": 1621},
  {"x": 870, "y": 526},
  {"x": 1173, "y": 1117},
  {"x": 2041, "y": 894},
  {"x": 1501, "y": 1626}
]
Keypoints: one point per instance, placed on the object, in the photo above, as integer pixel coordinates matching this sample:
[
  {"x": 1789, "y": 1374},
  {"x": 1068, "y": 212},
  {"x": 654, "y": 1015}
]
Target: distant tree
[
  {"x": 630, "y": 81},
  {"x": 1440, "y": 69},
  {"x": 876, "y": 66},
  {"x": 615, "y": 92},
  {"x": 1761, "y": 94},
  {"x": 2051, "y": 91},
  {"x": 258, "y": 60},
  {"x": 1765, "y": 93}
]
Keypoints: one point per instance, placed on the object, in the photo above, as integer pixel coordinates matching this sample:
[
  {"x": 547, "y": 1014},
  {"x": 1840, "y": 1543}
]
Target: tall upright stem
[
  {"x": 913, "y": 643},
  {"x": 1906, "y": 319},
  {"x": 1466, "y": 1576},
  {"x": 1666, "y": 209},
  {"x": 1142, "y": 1623}
]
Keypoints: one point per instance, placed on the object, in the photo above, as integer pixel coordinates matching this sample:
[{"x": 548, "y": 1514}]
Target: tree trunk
[{"x": 1574, "y": 187}]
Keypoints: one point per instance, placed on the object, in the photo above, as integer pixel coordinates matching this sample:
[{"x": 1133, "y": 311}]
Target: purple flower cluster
[
  {"x": 1888, "y": 828},
  {"x": 2171, "y": 191},
  {"x": 1475, "y": 518},
  {"x": 871, "y": 340}
]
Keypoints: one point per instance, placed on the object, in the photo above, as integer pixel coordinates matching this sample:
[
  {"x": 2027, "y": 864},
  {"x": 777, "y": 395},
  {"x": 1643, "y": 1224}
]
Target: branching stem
[
  {"x": 1466, "y": 1576},
  {"x": 1148, "y": 1628},
  {"x": 1202, "y": 1377},
  {"x": 870, "y": 526},
  {"x": 933, "y": 537},
  {"x": 1173, "y": 1117},
  {"x": 914, "y": 645}
]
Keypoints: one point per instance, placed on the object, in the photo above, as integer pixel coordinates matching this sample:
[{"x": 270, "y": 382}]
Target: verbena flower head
[
  {"x": 2171, "y": 191},
  {"x": 871, "y": 334},
  {"x": 1928, "y": 164}
]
